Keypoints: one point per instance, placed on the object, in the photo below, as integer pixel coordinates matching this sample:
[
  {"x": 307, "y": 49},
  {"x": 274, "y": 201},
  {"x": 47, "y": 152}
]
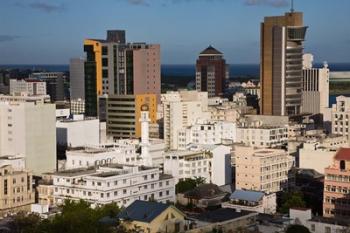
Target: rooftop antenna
[{"x": 292, "y": 6}]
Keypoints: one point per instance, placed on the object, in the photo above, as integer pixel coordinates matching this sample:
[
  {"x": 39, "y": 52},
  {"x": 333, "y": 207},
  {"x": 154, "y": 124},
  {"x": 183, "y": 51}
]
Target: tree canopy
[
  {"x": 291, "y": 200},
  {"x": 297, "y": 229},
  {"x": 76, "y": 217},
  {"x": 188, "y": 184}
]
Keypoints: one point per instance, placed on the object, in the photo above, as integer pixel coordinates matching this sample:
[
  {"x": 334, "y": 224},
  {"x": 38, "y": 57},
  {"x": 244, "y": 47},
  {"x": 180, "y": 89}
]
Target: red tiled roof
[{"x": 343, "y": 154}]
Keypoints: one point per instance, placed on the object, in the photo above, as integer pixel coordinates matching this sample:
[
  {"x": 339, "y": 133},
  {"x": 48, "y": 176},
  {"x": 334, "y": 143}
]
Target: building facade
[
  {"x": 211, "y": 72},
  {"x": 213, "y": 163},
  {"x": 76, "y": 78},
  {"x": 28, "y": 130},
  {"x": 336, "y": 199},
  {"x": 54, "y": 84},
  {"x": 281, "y": 64},
  {"x": 114, "y": 67},
  {"x": 265, "y": 170},
  {"x": 27, "y": 87},
  {"x": 315, "y": 83},
  {"x": 340, "y": 116},
  {"x": 122, "y": 184},
  {"x": 17, "y": 192},
  {"x": 78, "y": 132},
  {"x": 207, "y": 133},
  {"x": 321, "y": 151},
  {"x": 124, "y": 112},
  {"x": 262, "y": 136},
  {"x": 180, "y": 110}
]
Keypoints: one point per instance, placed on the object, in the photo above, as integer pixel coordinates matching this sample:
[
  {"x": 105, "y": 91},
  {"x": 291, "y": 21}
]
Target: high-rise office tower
[
  {"x": 315, "y": 83},
  {"x": 115, "y": 67},
  {"x": 281, "y": 64},
  {"x": 76, "y": 78},
  {"x": 211, "y": 72}
]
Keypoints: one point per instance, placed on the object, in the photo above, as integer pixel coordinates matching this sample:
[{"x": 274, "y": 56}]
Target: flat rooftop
[
  {"x": 76, "y": 172},
  {"x": 220, "y": 215}
]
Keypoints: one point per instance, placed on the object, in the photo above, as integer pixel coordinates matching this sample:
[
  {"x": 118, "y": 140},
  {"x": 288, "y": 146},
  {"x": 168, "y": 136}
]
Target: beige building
[
  {"x": 28, "y": 129},
  {"x": 45, "y": 190},
  {"x": 262, "y": 169},
  {"x": 182, "y": 109},
  {"x": 341, "y": 116},
  {"x": 16, "y": 190}
]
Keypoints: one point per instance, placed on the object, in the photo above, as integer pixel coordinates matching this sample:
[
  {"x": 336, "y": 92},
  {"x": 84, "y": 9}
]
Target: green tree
[
  {"x": 188, "y": 184},
  {"x": 291, "y": 200},
  {"x": 76, "y": 217},
  {"x": 25, "y": 223},
  {"x": 297, "y": 229}
]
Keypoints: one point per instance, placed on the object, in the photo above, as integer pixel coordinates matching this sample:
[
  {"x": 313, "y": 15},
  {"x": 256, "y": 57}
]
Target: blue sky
[{"x": 52, "y": 31}]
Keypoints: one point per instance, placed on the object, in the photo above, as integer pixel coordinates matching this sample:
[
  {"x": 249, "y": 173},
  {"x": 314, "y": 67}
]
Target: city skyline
[{"x": 23, "y": 41}]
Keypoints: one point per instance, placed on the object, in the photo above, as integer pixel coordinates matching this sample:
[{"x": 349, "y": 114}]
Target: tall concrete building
[
  {"x": 182, "y": 109},
  {"x": 211, "y": 72},
  {"x": 114, "y": 67},
  {"x": 315, "y": 83},
  {"x": 76, "y": 78},
  {"x": 28, "y": 129},
  {"x": 124, "y": 112},
  {"x": 281, "y": 64}
]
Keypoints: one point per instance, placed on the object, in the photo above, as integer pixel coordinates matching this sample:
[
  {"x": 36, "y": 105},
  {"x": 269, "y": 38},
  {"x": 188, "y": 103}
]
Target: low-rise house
[
  {"x": 153, "y": 217},
  {"x": 203, "y": 196},
  {"x": 252, "y": 201}
]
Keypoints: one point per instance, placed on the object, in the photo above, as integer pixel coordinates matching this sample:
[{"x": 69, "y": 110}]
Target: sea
[{"x": 248, "y": 71}]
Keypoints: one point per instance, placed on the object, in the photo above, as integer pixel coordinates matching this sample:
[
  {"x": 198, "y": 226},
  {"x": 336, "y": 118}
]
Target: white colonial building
[
  {"x": 211, "y": 162},
  {"x": 206, "y": 132},
  {"x": 262, "y": 136},
  {"x": 122, "y": 184}
]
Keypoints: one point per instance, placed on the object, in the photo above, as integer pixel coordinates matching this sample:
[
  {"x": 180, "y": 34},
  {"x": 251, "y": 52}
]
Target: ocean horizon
[{"x": 236, "y": 70}]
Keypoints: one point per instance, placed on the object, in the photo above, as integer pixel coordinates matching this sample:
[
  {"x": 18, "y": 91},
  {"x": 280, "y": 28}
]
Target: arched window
[{"x": 342, "y": 165}]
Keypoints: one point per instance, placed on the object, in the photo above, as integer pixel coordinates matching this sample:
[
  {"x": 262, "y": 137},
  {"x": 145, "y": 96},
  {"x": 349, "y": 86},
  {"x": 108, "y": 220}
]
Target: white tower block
[{"x": 145, "y": 155}]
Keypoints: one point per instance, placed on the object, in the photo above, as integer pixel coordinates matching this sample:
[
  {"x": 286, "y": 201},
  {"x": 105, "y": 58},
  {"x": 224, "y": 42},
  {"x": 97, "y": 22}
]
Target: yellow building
[
  {"x": 16, "y": 190},
  {"x": 45, "y": 190},
  {"x": 153, "y": 217},
  {"x": 124, "y": 112}
]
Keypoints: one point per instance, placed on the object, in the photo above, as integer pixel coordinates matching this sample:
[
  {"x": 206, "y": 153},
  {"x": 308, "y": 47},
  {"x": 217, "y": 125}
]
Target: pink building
[
  {"x": 336, "y": 196},
  {"x": 146, "y": 69}
]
